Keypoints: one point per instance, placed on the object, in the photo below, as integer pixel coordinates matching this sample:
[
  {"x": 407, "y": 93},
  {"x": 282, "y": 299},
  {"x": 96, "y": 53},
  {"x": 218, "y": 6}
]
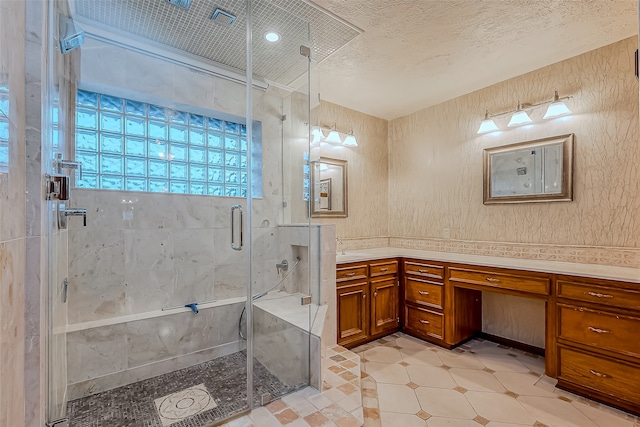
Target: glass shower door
[{"x": 280, "y": 248}]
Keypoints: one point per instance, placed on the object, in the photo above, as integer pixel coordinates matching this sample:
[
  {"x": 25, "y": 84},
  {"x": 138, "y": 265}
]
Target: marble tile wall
[
  {"x": 110, "y": 356},
  {"x": 281, "y": 347},
  {"x": 13, "y": 236},
  {"x": 35, "y": 217},
  {"x": 141, "y": 252},
  {"x": 185, "y": 238},
  {"x": 59, "y": 96}
]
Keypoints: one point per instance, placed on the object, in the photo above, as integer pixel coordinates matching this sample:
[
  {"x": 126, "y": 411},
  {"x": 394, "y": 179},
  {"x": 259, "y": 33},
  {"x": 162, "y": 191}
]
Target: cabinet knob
[
  {"x": 364, "y": 296},
  {"x": 375, "y": 294}
]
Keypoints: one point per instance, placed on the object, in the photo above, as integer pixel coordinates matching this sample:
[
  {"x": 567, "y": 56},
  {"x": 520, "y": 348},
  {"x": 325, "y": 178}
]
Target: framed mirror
[
  {"x": 532, "y": 171},
  {"x": 329, "y": 190}
]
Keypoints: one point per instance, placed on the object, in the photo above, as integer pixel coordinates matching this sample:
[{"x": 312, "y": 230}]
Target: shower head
[{"x": 184, "y": 4}]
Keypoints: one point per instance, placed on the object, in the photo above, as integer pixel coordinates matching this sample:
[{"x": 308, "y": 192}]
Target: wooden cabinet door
[
  {"x": 384, "y": 305},
  {"x": 352, "y": 313}
]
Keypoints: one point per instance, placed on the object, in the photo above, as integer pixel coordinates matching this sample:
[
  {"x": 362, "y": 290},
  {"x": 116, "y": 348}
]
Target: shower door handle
[{"x": 234, "y": 246}]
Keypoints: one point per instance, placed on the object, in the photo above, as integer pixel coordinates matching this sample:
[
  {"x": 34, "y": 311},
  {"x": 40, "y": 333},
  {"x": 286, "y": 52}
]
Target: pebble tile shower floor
[{"x": 133, "y": 405}]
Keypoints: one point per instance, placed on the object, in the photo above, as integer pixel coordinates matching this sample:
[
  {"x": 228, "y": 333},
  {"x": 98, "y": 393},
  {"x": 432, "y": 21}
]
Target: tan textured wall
[
  {"x": 436, "y": 159},
  {"x": 367, "y": 165},
  {"x": 435, "y": 178}
]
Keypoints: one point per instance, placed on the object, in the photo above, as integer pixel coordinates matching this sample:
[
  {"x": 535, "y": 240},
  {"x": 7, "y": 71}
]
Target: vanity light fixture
[
  {"x": 350, "y": 140},
  {"x": 519, "y": 116},
  {"x": 557, "y": 108},
  {"x": 333, "y": 137},
  {"x": 487, "y": 125}
]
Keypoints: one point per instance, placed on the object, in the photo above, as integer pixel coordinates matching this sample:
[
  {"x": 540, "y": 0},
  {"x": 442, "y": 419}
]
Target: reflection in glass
[{"x": 4, "y": 129}]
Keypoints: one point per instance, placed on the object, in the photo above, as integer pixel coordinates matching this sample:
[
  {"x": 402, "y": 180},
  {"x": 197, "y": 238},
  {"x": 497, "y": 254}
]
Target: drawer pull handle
[
  {"x": 598, "y": 295},
  {"x": 599, "y": 374},
  {"x": 423, "y": 292},
  {"x": 384, "y": 269},
  {"x": 422, "y": 270},
  {"x": 424, "y": 322},
  {"x": 350, "y": 274},
  {"x": 491, "y": 279},
  {"x": 598, "y": 330}
]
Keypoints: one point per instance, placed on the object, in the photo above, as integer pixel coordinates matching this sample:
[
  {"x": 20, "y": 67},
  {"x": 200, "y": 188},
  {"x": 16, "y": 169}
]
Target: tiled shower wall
[
  {"x": 142, "y": 252},
  {"x": 13, "y": 236}
]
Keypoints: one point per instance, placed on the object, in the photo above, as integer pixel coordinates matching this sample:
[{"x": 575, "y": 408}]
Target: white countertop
[{"x": 558, "y": 267}]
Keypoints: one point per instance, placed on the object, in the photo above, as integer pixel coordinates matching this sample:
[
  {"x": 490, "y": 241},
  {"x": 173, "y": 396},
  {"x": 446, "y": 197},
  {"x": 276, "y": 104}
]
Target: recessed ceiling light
[{"x": 272, "y": 36}]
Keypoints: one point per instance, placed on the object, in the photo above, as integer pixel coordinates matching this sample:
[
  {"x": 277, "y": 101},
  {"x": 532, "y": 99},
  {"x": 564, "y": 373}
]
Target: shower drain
[{"x": 178, "y": 406}]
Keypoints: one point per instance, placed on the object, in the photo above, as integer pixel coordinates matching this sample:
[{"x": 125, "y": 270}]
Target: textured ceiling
[
  {"x": 194, "y": 32},
  {"x": 417, "y": 53},
  {"x": 412, "y": 54}
]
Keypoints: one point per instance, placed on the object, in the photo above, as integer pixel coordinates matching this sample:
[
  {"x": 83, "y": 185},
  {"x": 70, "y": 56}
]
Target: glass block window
[
  {"x": 4, "y": 129},
  {"x": 129, "y": 145}
]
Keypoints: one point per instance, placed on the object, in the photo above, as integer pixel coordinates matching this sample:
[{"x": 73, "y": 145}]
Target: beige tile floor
[
  {"x": 480, "y": 383},
  {"x": 422, "y": 385}
]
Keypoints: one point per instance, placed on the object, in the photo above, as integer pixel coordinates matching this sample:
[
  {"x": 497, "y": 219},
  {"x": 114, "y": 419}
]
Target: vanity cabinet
[
  {"x": 353, "y": 308},
  {"x": 384, "y": 284},
  {"x": 598, "y": 351},
  {"x": 424, "y": 299},
  {"x": 367, "y": 301}
]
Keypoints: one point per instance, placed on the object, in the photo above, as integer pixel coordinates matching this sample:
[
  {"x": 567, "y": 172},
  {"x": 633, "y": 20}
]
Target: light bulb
[
  {"x": 519, "y": 118},
  {"x": 316, "y": 135},
  {"x": 487, "y": 125},
  {"x": 333, "y": 137},
  {"x": 557, "y": 109},
  {"x": 350, "y": 141}
]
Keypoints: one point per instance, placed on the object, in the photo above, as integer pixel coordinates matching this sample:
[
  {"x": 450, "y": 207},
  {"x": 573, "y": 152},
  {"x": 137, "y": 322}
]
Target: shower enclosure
[{"x": 185, "y": 134}]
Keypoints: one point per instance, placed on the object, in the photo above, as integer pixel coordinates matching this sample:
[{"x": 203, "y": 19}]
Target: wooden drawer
[
  {"x": 432, "y": 271},
  {"x": 351, "y": 272},
  {"x": 605, "y": 295},
  {"x": 423, "y": 322},
  {"x": 599, "y": 329},
  {"x": 383, "y": 268},
  {"x": 607, "y": 376},
  {"x": 481, "y": 278},
  {"x": 424, "y": 292}
]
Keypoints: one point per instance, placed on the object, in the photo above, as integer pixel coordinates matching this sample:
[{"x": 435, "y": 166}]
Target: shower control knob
[{"x": 65, "y": 212}]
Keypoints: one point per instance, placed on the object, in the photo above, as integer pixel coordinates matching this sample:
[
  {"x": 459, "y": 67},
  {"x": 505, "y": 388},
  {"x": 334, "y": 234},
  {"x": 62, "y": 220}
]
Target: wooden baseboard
[
  {"x": 623, "y": 405},
  {"x": 511, "y": 343}
]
